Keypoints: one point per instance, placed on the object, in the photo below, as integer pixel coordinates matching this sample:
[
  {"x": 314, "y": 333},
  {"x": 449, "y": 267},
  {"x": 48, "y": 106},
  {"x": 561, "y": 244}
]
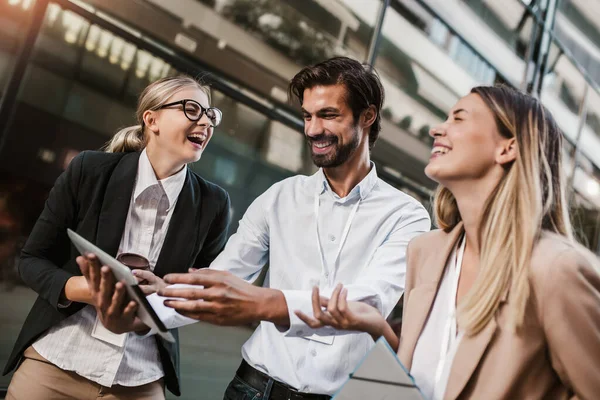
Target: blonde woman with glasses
[
  {"x": 500, "y": 302},
  {"x": 139, "y": 202}
]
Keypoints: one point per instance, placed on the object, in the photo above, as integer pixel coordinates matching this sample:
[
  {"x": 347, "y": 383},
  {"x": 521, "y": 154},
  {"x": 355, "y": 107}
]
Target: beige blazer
[{"x": 557, "y": 353}]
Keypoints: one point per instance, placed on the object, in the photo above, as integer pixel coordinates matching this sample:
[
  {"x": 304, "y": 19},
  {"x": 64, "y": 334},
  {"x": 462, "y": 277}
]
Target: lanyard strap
[
  {"x": 450, "y": 330},
  {"x": 344, "y": 233}
]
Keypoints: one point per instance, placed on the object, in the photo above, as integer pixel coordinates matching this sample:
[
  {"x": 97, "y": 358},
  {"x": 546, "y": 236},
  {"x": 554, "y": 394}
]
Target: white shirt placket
[{"x": 148, "y": 217}]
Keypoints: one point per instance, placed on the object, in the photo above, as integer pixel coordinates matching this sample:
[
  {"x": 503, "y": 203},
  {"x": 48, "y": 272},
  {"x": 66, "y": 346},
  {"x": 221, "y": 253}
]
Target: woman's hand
[
  {"x": 113, "y": 306},
  {"x": 344, "y": 315},
  {"x": 148, "y": 282}
]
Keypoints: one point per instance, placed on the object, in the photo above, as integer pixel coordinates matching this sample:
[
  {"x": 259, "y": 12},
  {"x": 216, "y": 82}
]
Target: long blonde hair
[
  {"x": 528, "y": 199},
  {"x": 133, "y": 138}
]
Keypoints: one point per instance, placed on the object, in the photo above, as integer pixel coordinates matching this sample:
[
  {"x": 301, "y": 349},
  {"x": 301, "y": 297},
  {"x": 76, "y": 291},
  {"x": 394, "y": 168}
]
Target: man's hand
[
  {"x": 148, "y": 282},
  {"x": 225, "y": 299},
  {"x": 109, "y": 297}
]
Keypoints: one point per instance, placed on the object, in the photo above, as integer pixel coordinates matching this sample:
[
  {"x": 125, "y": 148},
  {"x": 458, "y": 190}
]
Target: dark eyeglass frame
[{"x": 203, "y": 110}]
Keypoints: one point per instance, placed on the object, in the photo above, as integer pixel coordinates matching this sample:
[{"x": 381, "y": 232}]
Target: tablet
[
  {"x": 122, "y": 273},
  {"x": 380, "y": 376}
]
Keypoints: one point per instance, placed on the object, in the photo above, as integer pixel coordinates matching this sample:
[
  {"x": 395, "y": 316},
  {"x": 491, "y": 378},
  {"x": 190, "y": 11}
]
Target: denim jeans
[{"x": 240, "y": 390}]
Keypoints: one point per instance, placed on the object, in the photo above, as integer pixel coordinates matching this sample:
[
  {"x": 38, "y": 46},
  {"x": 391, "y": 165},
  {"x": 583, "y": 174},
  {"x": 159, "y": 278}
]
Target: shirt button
[
  {"x": 313, "y": 353},
  {"x": 300, "y": 332},
  {"x": 332, "y": 238}
]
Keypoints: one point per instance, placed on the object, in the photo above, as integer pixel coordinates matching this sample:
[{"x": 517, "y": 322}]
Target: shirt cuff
[
  {"x": 169, "y": 316},
  {"x": 64, "y": 303},
  {"x": 301, "y": 300},
  {"x": 60, "y": 279}
]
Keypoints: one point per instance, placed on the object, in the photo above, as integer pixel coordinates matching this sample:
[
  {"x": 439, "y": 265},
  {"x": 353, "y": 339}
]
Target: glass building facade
[{"x": 71, "y": 71}]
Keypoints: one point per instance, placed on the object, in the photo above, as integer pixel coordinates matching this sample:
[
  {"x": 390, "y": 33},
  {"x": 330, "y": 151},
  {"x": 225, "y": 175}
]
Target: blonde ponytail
[{"x": 126, "y": 140}]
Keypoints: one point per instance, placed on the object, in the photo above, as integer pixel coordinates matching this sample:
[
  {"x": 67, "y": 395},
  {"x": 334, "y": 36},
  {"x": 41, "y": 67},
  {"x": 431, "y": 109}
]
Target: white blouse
[{"x": 440, "y": 338}]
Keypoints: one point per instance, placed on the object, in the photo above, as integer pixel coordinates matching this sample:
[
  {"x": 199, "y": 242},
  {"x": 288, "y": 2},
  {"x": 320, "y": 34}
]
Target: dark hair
[{"x": 363, "y": 87}]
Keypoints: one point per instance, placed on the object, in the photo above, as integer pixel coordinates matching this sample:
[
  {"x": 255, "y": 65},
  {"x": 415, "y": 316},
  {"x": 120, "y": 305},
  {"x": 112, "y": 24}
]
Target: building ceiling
[
  {"x": 510, "y": 12},
  {"x": 589, "y": 8}
]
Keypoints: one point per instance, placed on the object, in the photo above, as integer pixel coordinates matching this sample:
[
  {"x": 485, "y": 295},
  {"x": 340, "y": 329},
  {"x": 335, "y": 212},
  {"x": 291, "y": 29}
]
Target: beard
[{"x": 338, "y": 155}]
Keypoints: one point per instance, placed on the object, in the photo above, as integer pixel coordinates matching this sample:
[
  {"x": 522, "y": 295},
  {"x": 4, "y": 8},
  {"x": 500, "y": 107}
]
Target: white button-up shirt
[
  {"x": 281, "y": 227},
  {"x": 70, "y": 344}
]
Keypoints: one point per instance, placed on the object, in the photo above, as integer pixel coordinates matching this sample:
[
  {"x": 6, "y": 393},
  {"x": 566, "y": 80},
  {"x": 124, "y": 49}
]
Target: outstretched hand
[
  {"x": 116, "y": 312},
  {"x": 341, "y": 314},
  {"x": 222, "y": 298}
]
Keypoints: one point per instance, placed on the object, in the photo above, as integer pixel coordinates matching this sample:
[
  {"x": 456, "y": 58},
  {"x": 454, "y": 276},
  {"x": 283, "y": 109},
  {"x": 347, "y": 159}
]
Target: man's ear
[
  {"x": 149, "y": 118},
  {"x": 368, "y": 116},
  {"x": 508, "y": 152}
]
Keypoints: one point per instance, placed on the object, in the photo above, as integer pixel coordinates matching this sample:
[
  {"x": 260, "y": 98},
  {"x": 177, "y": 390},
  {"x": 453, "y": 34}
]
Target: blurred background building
[{"x": 70, "y": 73}]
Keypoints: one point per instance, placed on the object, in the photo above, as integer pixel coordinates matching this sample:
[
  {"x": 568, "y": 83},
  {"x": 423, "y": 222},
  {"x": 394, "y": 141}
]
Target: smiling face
[
  {"x": 468, "y": 146},
  {"x": 172, "y": 135},
  {"x": 331, "y": 131}
]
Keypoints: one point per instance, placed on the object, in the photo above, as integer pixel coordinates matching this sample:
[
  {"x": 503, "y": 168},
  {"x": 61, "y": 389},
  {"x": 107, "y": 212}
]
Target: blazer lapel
[
  {"x": 115, "y": 206},
  {"x": 421, "y": 297},
  {"x": 178, "y": 247},
  {"x": 467, "y": 357}
]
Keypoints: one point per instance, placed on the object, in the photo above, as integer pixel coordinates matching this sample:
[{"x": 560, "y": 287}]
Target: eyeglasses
[{"x": 194, "y": 111}]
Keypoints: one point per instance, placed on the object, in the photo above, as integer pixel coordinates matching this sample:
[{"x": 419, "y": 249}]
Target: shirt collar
[
  {"x": 364, "y": 187},
  {"x": 146, "y": 178}
]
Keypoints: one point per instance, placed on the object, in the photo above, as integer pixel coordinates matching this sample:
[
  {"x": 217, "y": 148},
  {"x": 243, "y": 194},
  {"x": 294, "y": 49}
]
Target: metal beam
[
  {"x": 582, "y": 115},
  {"x": 9, "y": 100},
  {"x": 531, "y": 49},
  {"x": 545, "y": 42},
  {"x": 376, "y": 36}
]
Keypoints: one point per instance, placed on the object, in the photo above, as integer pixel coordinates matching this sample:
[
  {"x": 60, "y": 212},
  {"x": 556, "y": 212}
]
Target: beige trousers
[{"x": 38, "y": 379}]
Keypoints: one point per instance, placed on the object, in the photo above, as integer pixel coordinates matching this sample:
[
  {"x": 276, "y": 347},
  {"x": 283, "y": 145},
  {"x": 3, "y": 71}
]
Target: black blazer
[{"x": 92, "y": 197}]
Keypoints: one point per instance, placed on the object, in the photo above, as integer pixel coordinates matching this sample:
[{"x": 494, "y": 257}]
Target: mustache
[{"x": 321, "y": 137}]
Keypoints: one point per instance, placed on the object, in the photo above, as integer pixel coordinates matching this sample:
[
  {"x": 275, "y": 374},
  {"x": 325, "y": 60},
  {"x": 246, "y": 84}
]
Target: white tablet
[{"x": 122, "y": 273}]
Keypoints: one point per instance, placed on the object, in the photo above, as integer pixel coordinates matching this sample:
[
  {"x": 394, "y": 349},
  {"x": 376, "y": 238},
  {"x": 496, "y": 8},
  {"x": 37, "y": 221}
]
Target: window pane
[
  {"x": 592, "y": 122},
  {"x": 509, "y": 20},
  {"x": 585, "y": 204},
  {"x": 470, "y": 43},
  {"x": 576, "y": 27},
  {"x": 14, "y": 16},
  {"x": 562, "y": 93}
]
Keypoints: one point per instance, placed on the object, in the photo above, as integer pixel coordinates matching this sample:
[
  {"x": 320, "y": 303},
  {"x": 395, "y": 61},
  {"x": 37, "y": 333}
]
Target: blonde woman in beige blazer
[{"x": 500, "y": 302}]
